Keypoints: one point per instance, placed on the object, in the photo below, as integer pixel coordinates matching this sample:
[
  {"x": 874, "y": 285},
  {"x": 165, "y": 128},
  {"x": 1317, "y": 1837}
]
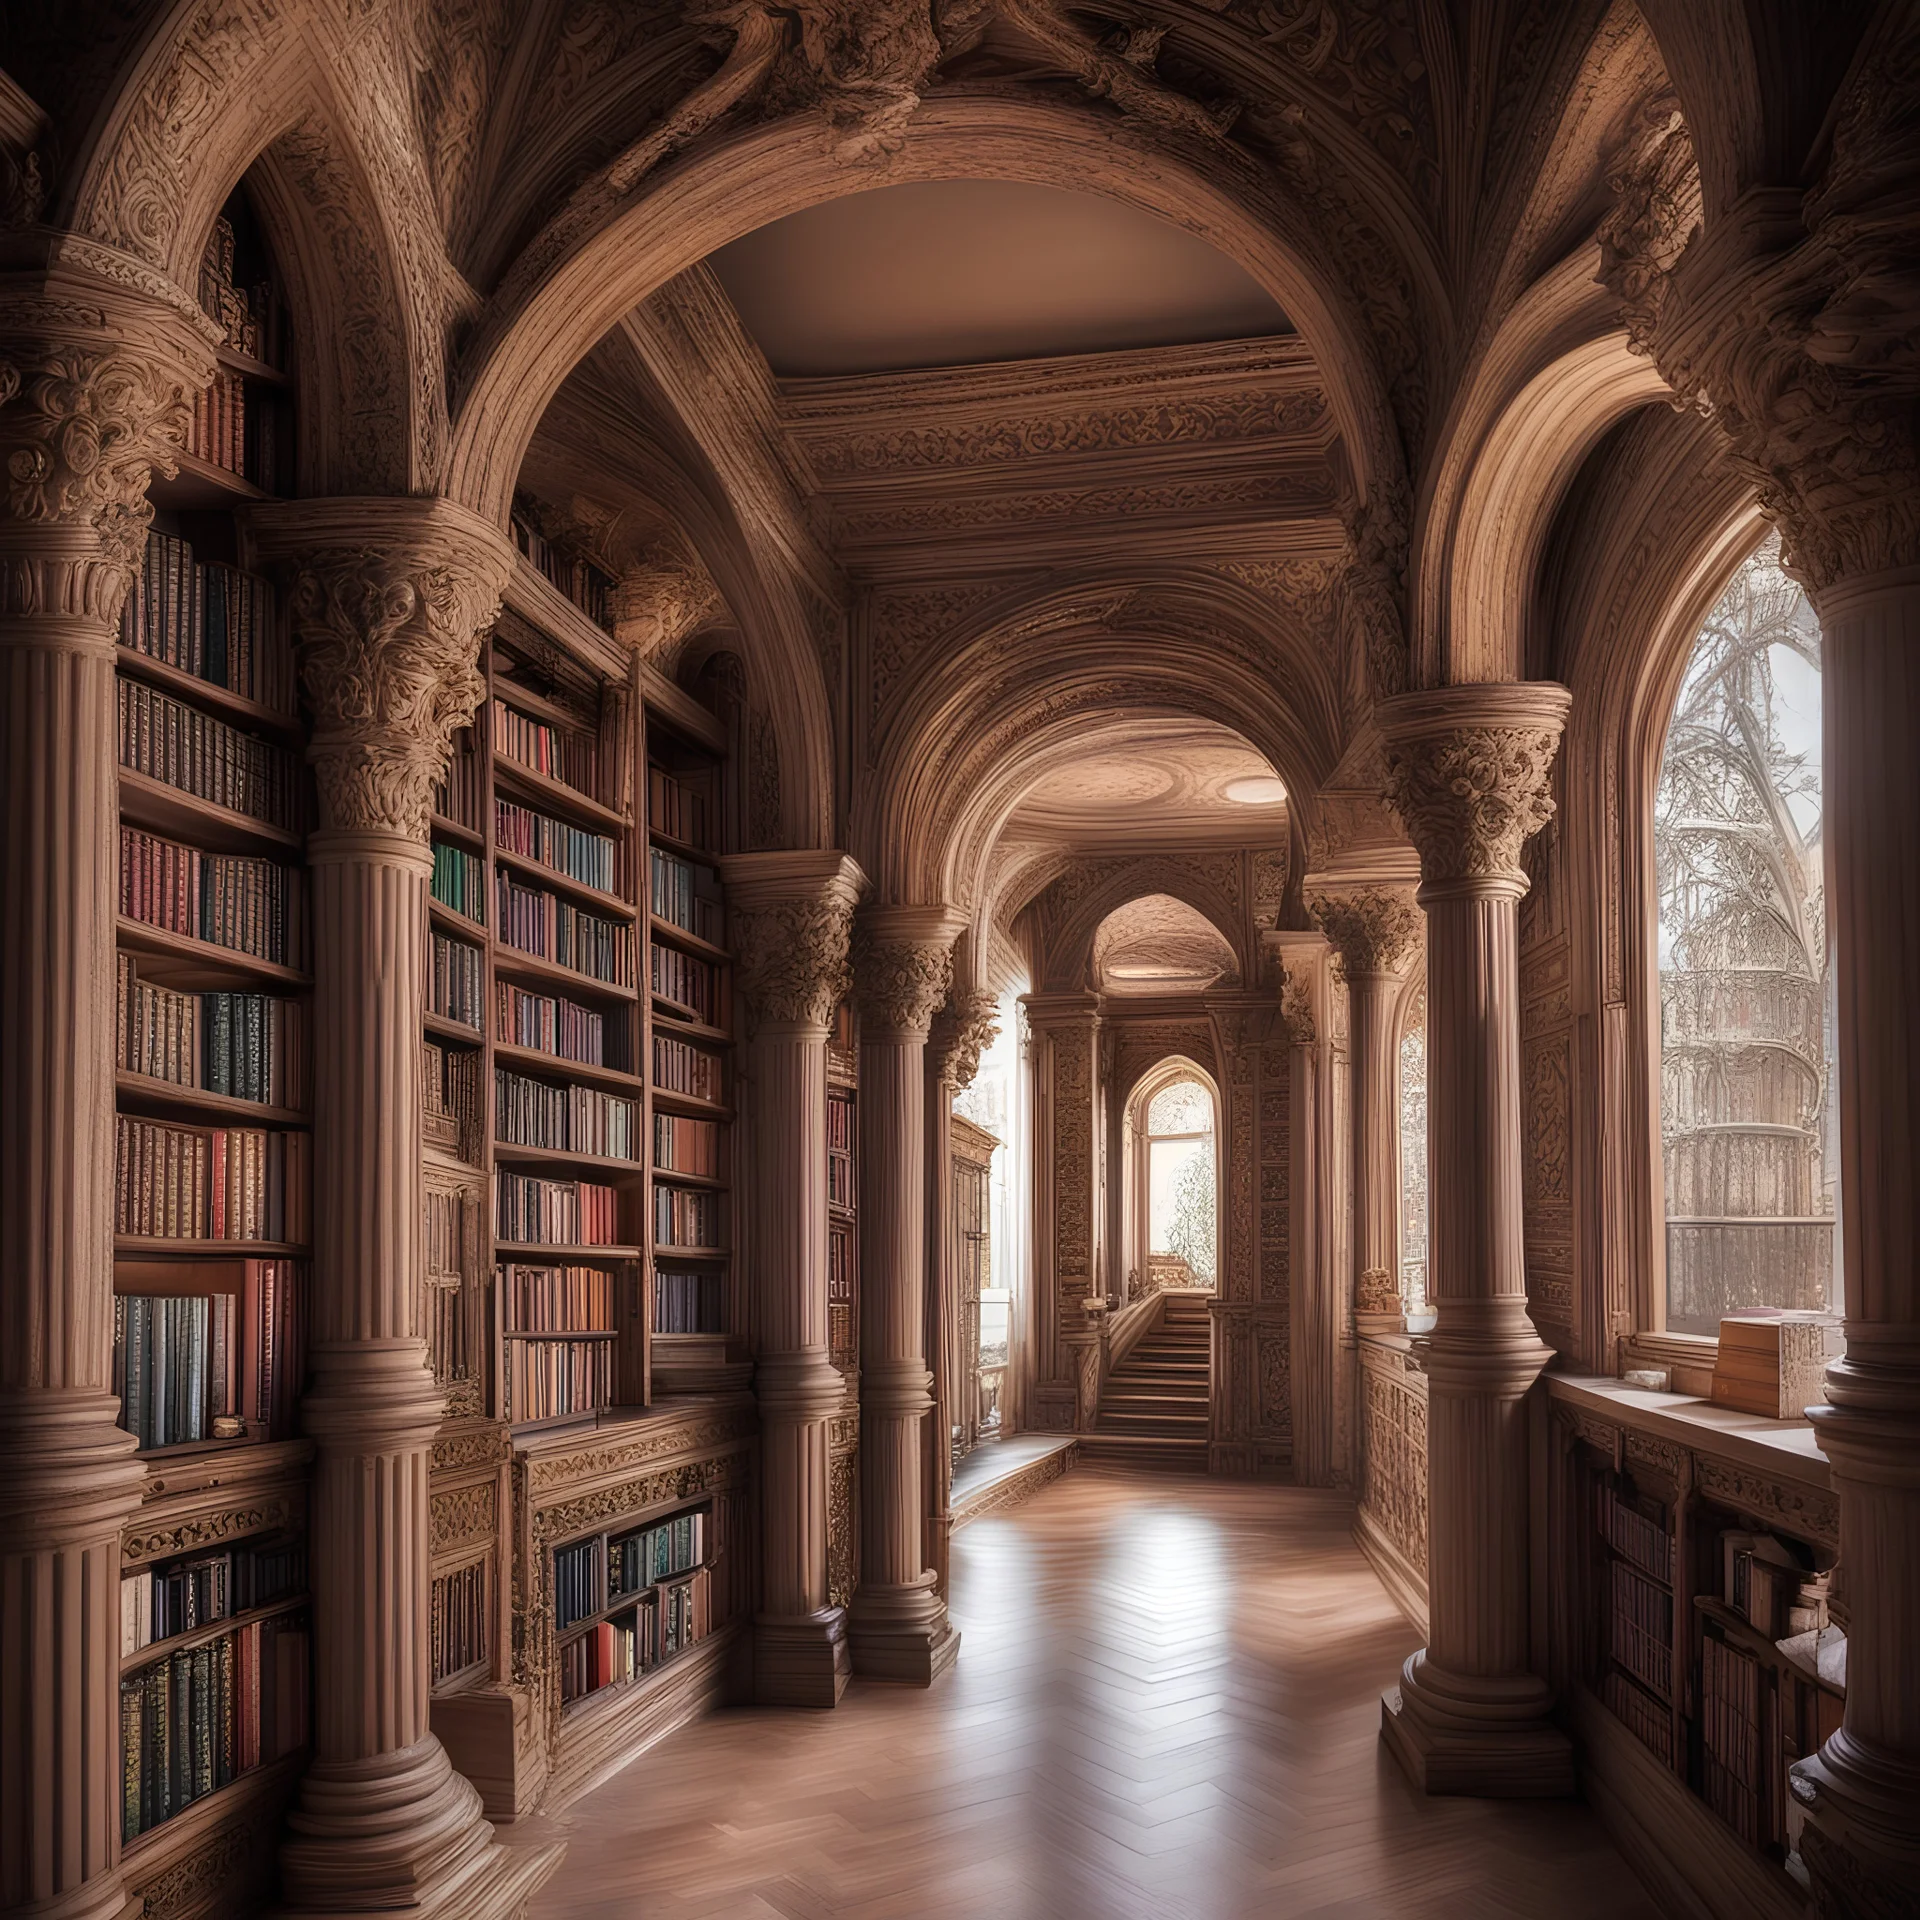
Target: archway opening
[{"x": 1173, "y": 1124}]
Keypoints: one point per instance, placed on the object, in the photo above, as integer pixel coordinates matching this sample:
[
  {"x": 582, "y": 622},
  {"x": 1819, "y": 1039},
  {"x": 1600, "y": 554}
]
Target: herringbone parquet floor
[{"x": 1166, "y": 1708}]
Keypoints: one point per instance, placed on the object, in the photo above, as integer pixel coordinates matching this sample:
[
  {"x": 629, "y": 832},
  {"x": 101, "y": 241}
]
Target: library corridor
[
  {"x": 1168, "y": 1709},
  {"x": 959, "y": 957}
]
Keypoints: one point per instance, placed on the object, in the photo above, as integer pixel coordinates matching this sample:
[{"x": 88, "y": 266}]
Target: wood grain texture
[{"x": 1167, "y": 1706}]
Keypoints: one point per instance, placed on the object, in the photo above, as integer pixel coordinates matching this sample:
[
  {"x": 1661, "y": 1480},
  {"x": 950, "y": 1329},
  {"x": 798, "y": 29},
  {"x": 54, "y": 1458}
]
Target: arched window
[
  {"x": 1413, "y": 1159},
  {"x": 1746, "y": 1072},
  {"x": 1176, "y": 1183}
]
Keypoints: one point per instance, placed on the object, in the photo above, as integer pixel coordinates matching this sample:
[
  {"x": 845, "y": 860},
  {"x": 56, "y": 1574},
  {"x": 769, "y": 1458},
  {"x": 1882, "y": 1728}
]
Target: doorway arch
[{"x": 1173, "y": 1198}]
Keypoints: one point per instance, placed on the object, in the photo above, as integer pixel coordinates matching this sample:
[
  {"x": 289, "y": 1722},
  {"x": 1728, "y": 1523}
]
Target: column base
[
  {"x": 495, "y": 1885},
  {"x": 801, "y": 1661},
  {"x": 902, "y": 1634},
  {"x": 396, "y": 1830},
  {"x": 1860, "y": 1843},
  {"x": 1489, "y": 1738}
]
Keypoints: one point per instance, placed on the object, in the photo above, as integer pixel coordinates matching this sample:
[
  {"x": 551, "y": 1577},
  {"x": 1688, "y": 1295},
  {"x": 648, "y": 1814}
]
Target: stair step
[{"x": 1169, "y": 1426}]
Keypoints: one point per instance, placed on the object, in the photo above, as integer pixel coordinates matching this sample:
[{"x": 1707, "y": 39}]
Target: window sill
[{"x": 1783, "y": 1447}]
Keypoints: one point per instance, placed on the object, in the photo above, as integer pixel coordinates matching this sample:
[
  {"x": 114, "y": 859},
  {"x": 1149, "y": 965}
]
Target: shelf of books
[
  {"x": 213, "y": 1141},
  {"x": 1717, "y": 1645},
  {"x": 843, "y": 1302}
]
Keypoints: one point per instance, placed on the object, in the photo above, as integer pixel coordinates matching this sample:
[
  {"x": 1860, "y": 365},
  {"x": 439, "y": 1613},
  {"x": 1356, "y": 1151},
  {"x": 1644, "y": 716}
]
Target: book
[
  {"x": 567, "y": 1119},
  {"x": 572, "y": 1213}
]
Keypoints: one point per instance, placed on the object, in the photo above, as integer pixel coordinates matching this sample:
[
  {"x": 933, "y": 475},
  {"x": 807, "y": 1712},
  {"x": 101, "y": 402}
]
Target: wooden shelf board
[
  {"x": 134, "y": 1246},
  {"x": 682, "y": 1023},
  {"x": 439, "y": 1025},
  {"x": 204, "y": 693},
  {"x": 238, "y": 362},
  {"x": 564, "y": 1333},
  {"x": 691, "y": 1104},
  {"x": 686, "y": 849},
  {"x": 510, "y": 960},
  {"x": 556, "y": 881},
  {"x": 452, "y": 920},
  {"x": 203, "y": 1636},
  {"x": 529, "y": 783},
  {"x": 546, "y": 1253},
  {"x": 211, "y": 965},
  {"x": 149, "y": 1092},
  {"x": 675, "y": 1254},
  {"x": 680, "y": 712},
  {"x": 200, "y": 484},
  {"x": 555, "y": 1157},
  {"x": 531, "y": 595},
  {"x": 531, "y": 1057},
  {"x": 710, "y": 1182},
  {"x": 444, "y": 827},
  {"x": 171, "y": 810},
  {"x": 626, "y": 1602},
  {"x": 678, "y": 936}
]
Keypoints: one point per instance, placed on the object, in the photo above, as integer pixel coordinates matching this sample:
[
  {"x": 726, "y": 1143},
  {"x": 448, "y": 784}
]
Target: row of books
[
  {"x": 685, "y": 1217},
  {"x": 444, "y": 1219},
  {"x": 660, "y": 1552},
  {"x": 676, "y": 809},
  {"x": 1635, "y": 1535},
  {"x": 211, "y": 621},
  {"x": 686, "y": 895},
  {"x": 688, "y": 982},
  {"x": 184, "y": 748},
  {"x": 1641, "y": 1628},
  {"x": 549, "y": 1023},
  {"x": 681, "y": 1067},
  {"x": 210, "y": 1183},
  {"x": 206, "y": 1366},
  {"x": 686, "y": 1146},
  {"x": 456, "y": 983},
  {"x": 587, "y": 857},
  {"x": 456, "y": 796},
  {"x": 557, "y": 1299},
  {"x": 181, "y": 1596},
  {"x": 238, "y": 901},
  {"x": 561, "y": 753},
  {"x": 566, "y": 1213},
  {"x": 688, "y": 1302},
  {"x": 459, "y": 880},
  {"x": 248, "y": 1046},
  {"x": 450, "y": 1086},
  {"x": 1763, "y": 1580},
  {"x": 567, "y": 1119},
  {"x": 549, "y": 1379},
  {"x": 579, "y": 579},
  {"x": 1649, "y": 1720},
  {"x": 537, "y": 922},
  {"x": 579, "y": 1584},
  {"x": 195, "y": 1720},
  {"x": 248, "y": 317},
  {"x": 457, "y": 1621},
  {"x": 1732, "y": 1751},
  {"x": 217, "y": 431},
  {"x": 663, "y": 1623}
]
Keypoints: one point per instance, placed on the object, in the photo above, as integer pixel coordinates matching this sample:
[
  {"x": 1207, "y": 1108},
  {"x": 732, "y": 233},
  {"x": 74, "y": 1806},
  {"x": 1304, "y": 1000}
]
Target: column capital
[
  {"x": 99, "y": 365},
  {"x": 1468, "y": 769},
  {"x": 1373, "y": 929},
  {"x": 389, "y": 598},
  {"x": 903, "y": 963},
  {"x": 790, "y": 915},
  {"x": 962, "y": 1031}
]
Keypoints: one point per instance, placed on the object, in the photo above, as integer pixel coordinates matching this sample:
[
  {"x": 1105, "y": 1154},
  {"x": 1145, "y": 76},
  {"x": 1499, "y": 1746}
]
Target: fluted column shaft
[
  {"x": 1468, "y": 768},
  {"x": 791, "y": 915},
  {"x": 903, "y": 964},
  {"x": 1864, "y": 1785},
  {"x": 93, "y": 394},
  {"x": 389, "y": 598}
]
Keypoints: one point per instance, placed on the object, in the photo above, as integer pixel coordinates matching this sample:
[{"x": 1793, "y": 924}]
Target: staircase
[{"x": 1154, "y": 1411}]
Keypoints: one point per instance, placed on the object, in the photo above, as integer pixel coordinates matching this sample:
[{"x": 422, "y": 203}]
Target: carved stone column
[
  {"x": 389, "y": 599},
  {"x": 903, "y": 963},
  {"x": 791, "y": 916},
  {"x": 1373, "y": 929},
  {"x": 94, "y": 392},
  {"x": 961, "y": 1032},
  {"x": 1313, "y": 1307},
  {"x": 1468, "y": 772}
]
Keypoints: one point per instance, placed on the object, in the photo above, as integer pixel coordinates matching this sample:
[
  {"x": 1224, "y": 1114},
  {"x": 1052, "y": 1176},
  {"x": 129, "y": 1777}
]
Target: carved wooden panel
[{"x": 1393, "y": 1475}]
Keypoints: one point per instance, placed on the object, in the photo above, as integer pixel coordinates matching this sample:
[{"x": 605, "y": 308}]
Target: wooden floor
[{"x": 1166, "y": 1706}]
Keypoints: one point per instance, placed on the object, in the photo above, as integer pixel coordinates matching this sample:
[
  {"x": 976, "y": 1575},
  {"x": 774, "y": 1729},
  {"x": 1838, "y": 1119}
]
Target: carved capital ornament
[
  {"x": 1374, "y": 929},
  {"x": 792, "y": 958},
  {"x": 1469, "y": 771},
  {"x": 903, "y": 966},
  {"x": 962, "y": 1031}
]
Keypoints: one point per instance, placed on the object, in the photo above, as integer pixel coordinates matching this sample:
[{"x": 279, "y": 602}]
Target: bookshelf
[
  {"x": 213, "y": 1112},
  {"x": 843, "y": 1303}
]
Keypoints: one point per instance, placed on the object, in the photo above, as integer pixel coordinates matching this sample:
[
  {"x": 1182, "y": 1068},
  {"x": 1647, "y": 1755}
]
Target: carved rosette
[
  {"x": 96, "y": 394},
  {"x": 1468, "y": 773},
  {"x": 389, "y": 599},
  {"x": 1374, "y": 929},
  {"x": 903, "y": 967},
  {"x": 962, "y": 1031},
  {"x": 791, "y": 958}
]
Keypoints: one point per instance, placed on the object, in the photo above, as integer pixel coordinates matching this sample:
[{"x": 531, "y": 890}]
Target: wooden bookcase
[
  {"x": 843, "y": 1303},
  {"x": 213, "y": 1137}
]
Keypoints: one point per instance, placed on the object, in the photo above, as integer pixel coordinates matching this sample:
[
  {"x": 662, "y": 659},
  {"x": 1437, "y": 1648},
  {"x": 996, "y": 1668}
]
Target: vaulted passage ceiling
[{"x": 953, "y": 272}]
